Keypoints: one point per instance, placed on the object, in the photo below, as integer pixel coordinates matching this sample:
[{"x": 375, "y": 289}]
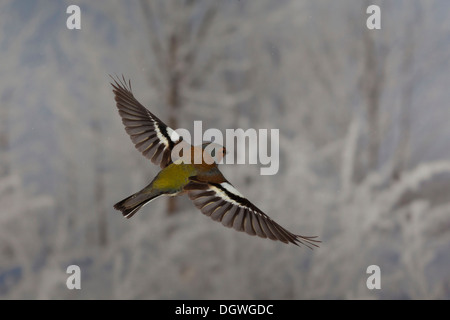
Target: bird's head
[{"x": 214, "y": 150}]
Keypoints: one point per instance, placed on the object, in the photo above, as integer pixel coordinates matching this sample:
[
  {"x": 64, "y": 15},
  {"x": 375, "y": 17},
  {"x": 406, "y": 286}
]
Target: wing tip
[
  {"x": 120, "y": 84},
  {"x": 307, "y": 241}
]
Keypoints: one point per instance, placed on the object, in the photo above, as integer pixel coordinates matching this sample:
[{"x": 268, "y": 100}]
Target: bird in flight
[{"x": 203, "y": 183}]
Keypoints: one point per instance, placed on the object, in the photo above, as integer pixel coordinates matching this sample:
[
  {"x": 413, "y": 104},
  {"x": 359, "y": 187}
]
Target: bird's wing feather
[
  {"x": 224, "y": 203},
  {"x": 152, "y": 137}
]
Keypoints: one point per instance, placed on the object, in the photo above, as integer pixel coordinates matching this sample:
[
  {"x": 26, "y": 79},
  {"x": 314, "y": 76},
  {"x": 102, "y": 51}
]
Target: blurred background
[{"x": 364, "y": 147}]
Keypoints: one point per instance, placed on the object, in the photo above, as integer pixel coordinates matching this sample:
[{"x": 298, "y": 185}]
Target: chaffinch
[{"x": 204, "y": 183}]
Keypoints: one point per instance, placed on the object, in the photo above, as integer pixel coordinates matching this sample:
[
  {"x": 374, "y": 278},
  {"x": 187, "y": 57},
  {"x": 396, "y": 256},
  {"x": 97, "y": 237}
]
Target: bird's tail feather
[{"x": 130, "y": 205}]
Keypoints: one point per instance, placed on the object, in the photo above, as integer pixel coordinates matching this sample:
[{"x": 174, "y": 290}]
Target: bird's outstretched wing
[
  {"x": 223, "y": 203},
  {"x": 152, "y": 137}
]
